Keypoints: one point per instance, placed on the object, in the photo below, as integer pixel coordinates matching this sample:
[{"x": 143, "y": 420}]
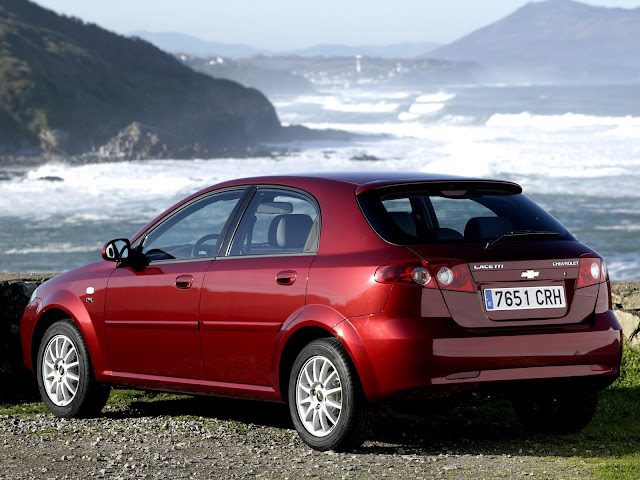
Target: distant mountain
[
  {"x": 399, "y": 50},
  {"x": 69, "y": 87},
  {"x": 173, "y": 42},
  {"x": 558, "y": 38}
]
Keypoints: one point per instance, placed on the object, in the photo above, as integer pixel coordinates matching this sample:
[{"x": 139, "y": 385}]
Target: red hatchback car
[{"x": 332, "y": 292}]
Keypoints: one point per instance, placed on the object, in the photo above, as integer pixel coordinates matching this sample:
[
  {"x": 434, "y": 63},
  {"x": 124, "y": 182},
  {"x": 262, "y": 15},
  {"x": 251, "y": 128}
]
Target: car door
[
  {"x": 258, "y": 283},
  {"x": 151, "y": 316}
]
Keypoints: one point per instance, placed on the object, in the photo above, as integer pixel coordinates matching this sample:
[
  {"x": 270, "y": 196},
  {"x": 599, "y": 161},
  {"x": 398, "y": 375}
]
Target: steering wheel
[
  {"x": 194, "y": 251},
  {"x": 158, "y": 254}
]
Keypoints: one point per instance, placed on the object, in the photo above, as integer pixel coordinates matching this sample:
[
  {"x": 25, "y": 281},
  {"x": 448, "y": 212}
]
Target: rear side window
[
  {"x": 433, "y": 215},
  {"x": 277, "y": 222}
]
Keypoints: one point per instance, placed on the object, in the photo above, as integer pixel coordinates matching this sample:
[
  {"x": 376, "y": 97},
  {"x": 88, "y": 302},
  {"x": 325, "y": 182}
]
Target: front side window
[
  {"x": 471, "y": 214},
  {"x": 277, "y": 222},
  {"x": 194, "y": 231}
]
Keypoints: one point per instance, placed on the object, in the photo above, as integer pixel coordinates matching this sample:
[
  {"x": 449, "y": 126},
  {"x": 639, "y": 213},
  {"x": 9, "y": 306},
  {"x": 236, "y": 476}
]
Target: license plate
[{"x": 524, "y": 298}]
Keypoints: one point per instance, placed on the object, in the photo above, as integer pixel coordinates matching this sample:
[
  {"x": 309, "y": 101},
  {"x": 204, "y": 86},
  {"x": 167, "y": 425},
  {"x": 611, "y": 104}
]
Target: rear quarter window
[{"x": 455, "y": 214}]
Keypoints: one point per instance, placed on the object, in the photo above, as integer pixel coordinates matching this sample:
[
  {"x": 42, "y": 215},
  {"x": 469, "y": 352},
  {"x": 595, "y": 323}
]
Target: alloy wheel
[
  {"x": 319, "y": 396},
  {"x": 61, "y": 370}
]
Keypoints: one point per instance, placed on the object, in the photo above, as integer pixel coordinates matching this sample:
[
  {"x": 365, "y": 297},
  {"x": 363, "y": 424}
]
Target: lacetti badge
[
  {"x": 492, "y": 266},
  {"x": 529, "y": 274}
]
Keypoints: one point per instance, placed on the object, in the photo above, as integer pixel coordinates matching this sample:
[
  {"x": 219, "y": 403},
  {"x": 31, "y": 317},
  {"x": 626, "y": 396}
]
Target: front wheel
[
  {"x": 65, "y": 377},
  {"x": 326, "y": 401},
  {"x": 557, "y": 412}
]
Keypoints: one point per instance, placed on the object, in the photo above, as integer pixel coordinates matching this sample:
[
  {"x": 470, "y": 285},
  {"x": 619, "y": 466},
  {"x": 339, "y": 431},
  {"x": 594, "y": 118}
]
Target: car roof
[
  {"x": 367, "y": 180},
  {"x": 359, "y": 180}
]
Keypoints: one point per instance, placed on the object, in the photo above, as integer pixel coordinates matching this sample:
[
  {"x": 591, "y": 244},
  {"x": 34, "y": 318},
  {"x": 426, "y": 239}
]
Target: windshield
[{"x": 433, "y": 215}]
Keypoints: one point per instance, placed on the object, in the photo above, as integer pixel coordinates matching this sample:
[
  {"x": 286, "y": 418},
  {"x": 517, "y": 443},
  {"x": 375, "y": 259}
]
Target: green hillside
[{"x": 69, "y": 87}]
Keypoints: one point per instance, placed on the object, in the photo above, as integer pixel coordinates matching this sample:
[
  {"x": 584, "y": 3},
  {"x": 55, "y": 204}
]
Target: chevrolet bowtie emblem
[{"x": 529, "y": 274}]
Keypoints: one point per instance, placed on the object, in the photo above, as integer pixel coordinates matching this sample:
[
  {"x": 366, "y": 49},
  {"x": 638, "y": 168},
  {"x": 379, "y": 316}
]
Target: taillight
[
  {"x": 592, "y": 270},
  {"x": 448, "y": 275},
  {"x": 413, "y": 272},
  {"x": 455, "y": 277}
]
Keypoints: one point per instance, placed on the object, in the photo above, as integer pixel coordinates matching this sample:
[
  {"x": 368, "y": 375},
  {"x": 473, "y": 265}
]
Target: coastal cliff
[{"x": 71, "y": 88}]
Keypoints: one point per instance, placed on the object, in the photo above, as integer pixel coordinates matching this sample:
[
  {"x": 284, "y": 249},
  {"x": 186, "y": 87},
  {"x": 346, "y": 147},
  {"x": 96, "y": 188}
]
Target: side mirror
[{"x": 117, "y": 250}]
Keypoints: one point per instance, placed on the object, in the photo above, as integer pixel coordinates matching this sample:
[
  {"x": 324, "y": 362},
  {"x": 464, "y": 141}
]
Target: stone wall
[
  {"x": 15, "y": 289},
  {"x": 626, "y": 305},
  {"x": 15, "y": 382}
]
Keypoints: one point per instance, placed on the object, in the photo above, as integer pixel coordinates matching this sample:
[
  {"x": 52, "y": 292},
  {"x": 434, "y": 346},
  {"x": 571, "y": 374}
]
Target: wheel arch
[
  {"x": 294, "y": 345},
  {"x": 70, "y": 307},
  {"x": 45, "y": 321},
  {"x": 319, "y": 321}
]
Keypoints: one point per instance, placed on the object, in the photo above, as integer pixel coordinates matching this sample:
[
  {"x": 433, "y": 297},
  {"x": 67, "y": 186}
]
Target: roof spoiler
[{"x": 444, "y": 185}]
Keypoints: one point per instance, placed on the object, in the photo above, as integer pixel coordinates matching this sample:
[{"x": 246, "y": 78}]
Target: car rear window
[{"x": 416, "y": 216}]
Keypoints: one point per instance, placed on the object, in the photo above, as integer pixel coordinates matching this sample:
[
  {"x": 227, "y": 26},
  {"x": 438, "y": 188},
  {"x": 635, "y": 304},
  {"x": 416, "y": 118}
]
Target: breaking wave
[
  {"x": 562, "y": 122},
  {"x": 439, "y": 97},
  {"x": 54, "y": 248}
]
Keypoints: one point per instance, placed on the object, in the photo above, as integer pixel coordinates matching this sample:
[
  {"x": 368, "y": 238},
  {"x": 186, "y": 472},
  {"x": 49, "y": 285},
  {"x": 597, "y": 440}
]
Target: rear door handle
[
  {"x": 286, "y": 277},
  {"x": 184, "y": 282}
]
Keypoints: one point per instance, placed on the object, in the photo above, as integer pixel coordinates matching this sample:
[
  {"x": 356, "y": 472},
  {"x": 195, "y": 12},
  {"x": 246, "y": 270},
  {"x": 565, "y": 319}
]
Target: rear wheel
[
  {"x": 558, "y": 412},
  {"x": 326, "y": 401},
  {"x": 65, "y": 377}
]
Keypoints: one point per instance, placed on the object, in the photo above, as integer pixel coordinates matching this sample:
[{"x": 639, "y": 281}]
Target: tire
[
  {"x": 65, "y": 376},
  {"x": 326, "y": 401},
  {"x": 559, "y": 412}
]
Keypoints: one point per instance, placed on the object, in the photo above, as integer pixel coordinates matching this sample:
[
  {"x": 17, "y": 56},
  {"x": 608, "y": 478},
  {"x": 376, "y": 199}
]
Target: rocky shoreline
[{"x": 143, "y": 142}]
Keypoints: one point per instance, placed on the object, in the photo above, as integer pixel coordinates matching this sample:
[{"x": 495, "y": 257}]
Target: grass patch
[
  {"x": 620, "y": 468},
  {"x": 120, "y": 398},
  {"x": 617, "y": 424},
  {"x": 32, "y": 408}
]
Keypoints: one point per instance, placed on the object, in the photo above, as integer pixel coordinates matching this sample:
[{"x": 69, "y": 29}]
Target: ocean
[{"x": 575, "y": 150}]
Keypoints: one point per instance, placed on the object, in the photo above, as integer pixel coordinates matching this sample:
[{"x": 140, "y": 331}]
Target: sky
[{"x": 293, "y": 24}]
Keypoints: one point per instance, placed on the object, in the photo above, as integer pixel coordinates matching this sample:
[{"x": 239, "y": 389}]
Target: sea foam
[{"x": 561, "y": 122}]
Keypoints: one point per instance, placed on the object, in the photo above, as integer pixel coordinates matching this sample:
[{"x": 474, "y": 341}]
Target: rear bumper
[{"x": 433, "y": 356}]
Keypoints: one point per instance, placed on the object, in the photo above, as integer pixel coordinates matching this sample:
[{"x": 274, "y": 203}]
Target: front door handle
[
  {"x": 184, "y": 282},
  {"x": 286, "y": 277}
]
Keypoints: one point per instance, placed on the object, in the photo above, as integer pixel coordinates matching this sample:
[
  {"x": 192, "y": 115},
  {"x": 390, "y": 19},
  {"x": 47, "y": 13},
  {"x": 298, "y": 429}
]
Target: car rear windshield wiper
[{"x": 520, "y": 233}]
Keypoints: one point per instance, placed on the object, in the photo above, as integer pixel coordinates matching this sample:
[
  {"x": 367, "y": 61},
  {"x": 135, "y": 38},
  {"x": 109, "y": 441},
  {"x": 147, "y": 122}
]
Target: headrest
[
  {"x": 405, "y": 221},
  {"x": 478, "y": 228},
  {"x": 290, "y": 231},
  {"x": 448, "y": 234}
]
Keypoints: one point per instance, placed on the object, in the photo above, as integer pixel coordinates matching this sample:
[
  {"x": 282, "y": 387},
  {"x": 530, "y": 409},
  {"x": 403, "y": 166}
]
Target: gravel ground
[{"x": 231, "y": 439}]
